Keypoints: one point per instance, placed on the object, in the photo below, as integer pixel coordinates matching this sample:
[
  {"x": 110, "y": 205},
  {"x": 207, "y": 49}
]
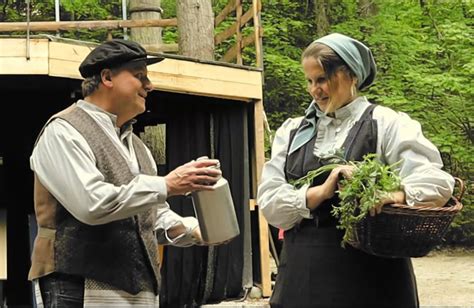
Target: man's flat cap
[{"x": 112, "y": 54}]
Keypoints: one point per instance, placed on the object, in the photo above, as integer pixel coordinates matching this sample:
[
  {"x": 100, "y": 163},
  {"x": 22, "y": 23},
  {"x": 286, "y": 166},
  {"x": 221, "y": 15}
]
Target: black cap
[{"x": 112, "y": 54}]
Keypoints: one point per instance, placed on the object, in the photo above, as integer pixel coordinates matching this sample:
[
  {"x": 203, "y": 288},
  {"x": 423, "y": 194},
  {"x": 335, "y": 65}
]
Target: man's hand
[
  {"x": 192, "y": 176},
  {"x": 196, "y": 234},
  {"x": 197, "y": 237}
]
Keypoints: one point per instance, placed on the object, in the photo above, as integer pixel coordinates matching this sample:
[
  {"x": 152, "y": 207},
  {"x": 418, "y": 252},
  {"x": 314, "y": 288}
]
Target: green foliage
[
  {"x": 308, "y": 178},
  {"x": 371, "y": 181},
  {"x": 423, "y": 51},
  {"x": 70, "y": 10},
  {"x": 425, "y": 68}
]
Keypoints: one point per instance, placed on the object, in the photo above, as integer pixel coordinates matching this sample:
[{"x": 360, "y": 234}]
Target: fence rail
[{"x": 233, "y": 8}]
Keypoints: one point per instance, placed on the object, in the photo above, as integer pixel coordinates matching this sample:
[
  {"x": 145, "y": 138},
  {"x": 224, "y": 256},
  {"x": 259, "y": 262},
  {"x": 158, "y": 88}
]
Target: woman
[{"x": 314, "y": 270}]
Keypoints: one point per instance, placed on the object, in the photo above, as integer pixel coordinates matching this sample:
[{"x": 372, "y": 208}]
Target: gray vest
[{"x": 122, "y": 253}]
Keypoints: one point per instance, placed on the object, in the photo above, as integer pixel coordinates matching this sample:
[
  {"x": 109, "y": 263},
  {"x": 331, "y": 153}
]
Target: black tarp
[{"x": 197, "y": 126}]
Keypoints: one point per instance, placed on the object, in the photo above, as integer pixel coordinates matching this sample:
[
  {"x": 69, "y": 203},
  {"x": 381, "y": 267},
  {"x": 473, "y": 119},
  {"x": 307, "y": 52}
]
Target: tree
[
  {"x": 366, "y": 8},
  {"x": 322, "y": 22},
  {"x": 196, "y": 28}
]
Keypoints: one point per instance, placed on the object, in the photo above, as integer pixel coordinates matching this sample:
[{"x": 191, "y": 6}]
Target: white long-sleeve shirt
[
  {"x": 399, "y": 138},
  {"x": 66, "y": 166}
]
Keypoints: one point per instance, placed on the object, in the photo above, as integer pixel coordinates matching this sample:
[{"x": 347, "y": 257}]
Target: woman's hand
[
  {"x": 318, "y": 194},
  {"x": 389, "y": 198},
  {"x": 332, "y": 182}
]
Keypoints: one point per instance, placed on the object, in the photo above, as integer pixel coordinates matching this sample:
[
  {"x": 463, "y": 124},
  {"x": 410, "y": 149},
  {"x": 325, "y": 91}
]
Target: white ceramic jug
[{"x": 216, "y": 213}]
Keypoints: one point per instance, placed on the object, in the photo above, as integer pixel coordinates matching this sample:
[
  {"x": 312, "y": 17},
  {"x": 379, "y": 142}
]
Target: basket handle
[{"x": 462, "y": 188}]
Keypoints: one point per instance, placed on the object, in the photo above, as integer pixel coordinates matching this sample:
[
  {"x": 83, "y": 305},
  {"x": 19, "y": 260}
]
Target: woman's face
[{"x": 328, "y": 98}]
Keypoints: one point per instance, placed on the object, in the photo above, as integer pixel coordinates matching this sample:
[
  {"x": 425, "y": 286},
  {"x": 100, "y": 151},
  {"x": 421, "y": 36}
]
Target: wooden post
[
  {"x": 146, "y": 9},
  {"x": 257, "y": 6},
  {"x": 262, "y": 222},
  {"x": 239, "y": 32}
]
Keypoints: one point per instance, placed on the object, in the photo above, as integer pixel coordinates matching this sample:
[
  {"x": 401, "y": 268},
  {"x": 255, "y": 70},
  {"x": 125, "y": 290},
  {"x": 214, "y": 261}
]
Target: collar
[
  {"x": 126, "y": 127},
  {"x": 343, "y": 112}
]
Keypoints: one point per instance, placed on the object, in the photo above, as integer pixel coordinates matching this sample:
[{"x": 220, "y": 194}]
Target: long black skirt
[{"x": 315, "y": 271}]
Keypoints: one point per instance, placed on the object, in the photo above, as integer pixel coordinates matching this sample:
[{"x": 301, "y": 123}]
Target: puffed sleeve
[
  {"x": 282, "y": 205},
  {"x": 420, "y": 165}
]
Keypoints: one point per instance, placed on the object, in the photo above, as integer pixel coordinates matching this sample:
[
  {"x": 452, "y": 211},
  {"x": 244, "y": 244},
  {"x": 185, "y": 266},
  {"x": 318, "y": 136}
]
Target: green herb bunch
[
  {"x": 370, "y": 183},
  {"x": 329, "y": 162}
]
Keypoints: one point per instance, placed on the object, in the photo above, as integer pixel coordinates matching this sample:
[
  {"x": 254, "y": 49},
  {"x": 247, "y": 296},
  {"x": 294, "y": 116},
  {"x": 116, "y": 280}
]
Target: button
[
  {"x": 338, "y": 130},
  {"x": 338, "y": 122}
]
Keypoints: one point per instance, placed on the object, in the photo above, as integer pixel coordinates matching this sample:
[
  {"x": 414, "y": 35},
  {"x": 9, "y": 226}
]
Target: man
[{"x": 99, "y": 205}]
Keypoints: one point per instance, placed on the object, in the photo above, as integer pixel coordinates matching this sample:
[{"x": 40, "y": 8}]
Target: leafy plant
[{"x": 370, "y": 183}]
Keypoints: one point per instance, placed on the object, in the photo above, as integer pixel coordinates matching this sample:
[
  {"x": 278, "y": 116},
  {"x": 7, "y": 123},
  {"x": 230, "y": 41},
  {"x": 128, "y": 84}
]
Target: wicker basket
[{"x": 405, "y": 231}]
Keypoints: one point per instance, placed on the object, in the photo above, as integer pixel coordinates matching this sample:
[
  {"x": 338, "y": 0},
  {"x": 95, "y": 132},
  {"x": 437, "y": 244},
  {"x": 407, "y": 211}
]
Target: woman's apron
[{"x": 315, "y": 271}]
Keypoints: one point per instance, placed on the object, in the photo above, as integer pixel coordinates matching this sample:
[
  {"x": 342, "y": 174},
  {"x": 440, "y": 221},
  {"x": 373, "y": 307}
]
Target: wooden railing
[
  {"x": 241, "y": 20},
  {"x": 233, "y": 54}
]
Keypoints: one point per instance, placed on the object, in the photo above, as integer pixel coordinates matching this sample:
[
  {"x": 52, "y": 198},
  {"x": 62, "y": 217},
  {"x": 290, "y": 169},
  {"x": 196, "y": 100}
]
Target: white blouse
[{"x": 399, "y": 138}]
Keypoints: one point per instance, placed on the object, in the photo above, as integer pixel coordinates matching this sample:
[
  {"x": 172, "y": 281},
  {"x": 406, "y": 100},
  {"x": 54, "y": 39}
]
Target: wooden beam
[
  {"x": 93, "y": 24},
  {"x": 264, "y": 255},
  {"x": 161, "y": 47},
  {"x": 231, "y": 54},
  {"x": 222, "y": 36},
  {"x": 230, "y": 7},
  {"x": 239, "y": 32},
  {"x": 231, "y": 30},
  {"x": 257, "y": 7},
  {"x": 259, "y": 154},
  {"x": 13, "y": 55},
  {"x": 3, "y": 244},
  {"x": 252, "y": 204},
  {"x": 246, "y": 17},
  {"x": 61, "y": 59},
  {"x": 171, "y": 75}
]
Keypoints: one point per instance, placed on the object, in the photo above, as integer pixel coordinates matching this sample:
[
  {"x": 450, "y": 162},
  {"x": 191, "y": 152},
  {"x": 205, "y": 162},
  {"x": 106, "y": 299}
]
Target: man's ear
[{"x": 106, "y": 77}]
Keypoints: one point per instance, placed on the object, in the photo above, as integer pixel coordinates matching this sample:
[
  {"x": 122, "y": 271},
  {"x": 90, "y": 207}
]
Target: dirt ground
[{"x": 446, "y": 278}]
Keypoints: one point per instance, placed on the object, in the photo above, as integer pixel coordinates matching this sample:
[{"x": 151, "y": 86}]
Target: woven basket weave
[{"x": 401, "y": 230}]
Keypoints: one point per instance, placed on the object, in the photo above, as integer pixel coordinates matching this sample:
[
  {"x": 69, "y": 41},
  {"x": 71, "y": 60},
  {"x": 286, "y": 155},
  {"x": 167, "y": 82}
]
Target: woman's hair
[
  {"x": 90, "y": 84},
  {"x": 331, "y": 64}
]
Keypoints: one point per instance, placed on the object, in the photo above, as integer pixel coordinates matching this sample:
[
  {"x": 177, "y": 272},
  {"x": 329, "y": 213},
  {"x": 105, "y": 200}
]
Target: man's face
[{"x": 130, "y": 89}]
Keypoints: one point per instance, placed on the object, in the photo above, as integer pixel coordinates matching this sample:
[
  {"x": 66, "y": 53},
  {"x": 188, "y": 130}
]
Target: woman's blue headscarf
[
  {"x": 359, "y": 59},
  {"x": 355, "y": 54}
]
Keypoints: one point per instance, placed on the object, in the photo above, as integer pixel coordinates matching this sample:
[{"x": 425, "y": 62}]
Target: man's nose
[{"x": 147, "y": 85}]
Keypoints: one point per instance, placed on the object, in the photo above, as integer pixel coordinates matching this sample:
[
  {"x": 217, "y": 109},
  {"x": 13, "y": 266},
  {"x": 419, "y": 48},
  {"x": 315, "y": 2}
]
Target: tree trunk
[
  {"x": 145, "y": 9},
  {"x": 366, "y": 8},
  {"x": 322, "y": 22},
  {"x": 196, "y": 28}
]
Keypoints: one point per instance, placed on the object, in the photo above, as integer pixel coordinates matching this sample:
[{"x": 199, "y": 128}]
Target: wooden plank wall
[
  {"x": 13, "y": 57},
  {"x": 62, "y": 60}
]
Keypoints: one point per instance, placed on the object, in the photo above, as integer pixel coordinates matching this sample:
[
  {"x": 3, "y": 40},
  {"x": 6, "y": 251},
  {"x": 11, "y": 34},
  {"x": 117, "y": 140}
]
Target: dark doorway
[{"x": 27, "y": 103}]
